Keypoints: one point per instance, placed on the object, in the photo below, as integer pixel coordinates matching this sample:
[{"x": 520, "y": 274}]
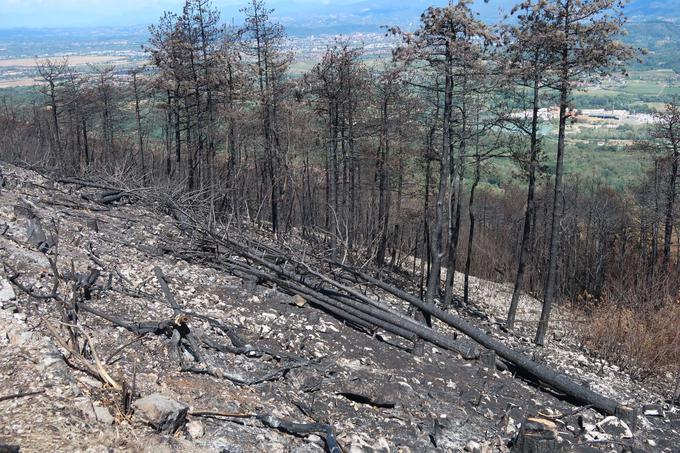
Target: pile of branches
[
  {"x": 343, "y": 292},
  {"x": 72, "y": 293}
]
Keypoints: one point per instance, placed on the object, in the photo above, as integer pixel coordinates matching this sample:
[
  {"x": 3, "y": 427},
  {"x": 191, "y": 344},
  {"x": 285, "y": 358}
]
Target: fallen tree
[
  {"x": 349, "y": 306},
  {"x": 558, "y": 381},
  {"x": 312, "y": 287}
]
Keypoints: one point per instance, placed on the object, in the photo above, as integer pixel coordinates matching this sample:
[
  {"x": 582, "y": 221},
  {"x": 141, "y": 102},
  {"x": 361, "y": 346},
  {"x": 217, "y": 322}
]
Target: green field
[{"x": 641, "y": 90}]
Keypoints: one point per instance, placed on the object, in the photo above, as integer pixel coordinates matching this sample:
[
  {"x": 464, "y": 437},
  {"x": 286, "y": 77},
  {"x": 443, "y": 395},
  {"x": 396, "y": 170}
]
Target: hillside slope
[{"x": 279, "y": 357}]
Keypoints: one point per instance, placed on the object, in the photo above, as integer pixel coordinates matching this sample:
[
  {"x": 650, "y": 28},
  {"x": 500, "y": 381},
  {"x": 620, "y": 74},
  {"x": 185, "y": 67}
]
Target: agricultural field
[
  {"x": 645, "y": 84},
  {"x": 75, "y": 60},
  {"x": 640, "y": 90},
  {"x": 607, "y": 149},
  {"x": 22, "y": 72}
]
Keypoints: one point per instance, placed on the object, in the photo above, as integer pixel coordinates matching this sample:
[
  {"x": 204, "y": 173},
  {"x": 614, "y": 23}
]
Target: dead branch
[
  {"x": 169, "y": 297},
  {"x": 97, "y": 370},
  {"x": 270, "y": 421},
  {"x": 106, "y": 377},
  {"x": 21, "y": 395}
]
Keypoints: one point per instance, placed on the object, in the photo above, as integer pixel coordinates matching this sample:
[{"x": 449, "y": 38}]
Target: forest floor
[{"x": 371, "y": 389}]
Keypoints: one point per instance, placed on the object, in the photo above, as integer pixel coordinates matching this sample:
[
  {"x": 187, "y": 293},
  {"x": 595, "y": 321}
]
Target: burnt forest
[{"x": 456, "y": 233}]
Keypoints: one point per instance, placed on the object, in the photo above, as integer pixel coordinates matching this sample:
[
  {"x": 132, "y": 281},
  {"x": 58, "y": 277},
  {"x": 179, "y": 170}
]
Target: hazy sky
[
  {"x": 66, "y": 13},
  {"x": 70, "y": 13}
]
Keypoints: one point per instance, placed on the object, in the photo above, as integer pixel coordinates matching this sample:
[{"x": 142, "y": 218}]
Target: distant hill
[
  {"x": 369, "y": 15},
  {"x": 304, "y": 16},
  {"x": 666, "y": 9},
  {"x": 653, "y": 24},
  {"x": 661, "y": 38}
]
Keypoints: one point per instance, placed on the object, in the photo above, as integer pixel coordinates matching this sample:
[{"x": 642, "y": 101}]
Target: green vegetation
[
  {"x": 659, "y": 37},
  {"x": 640, "y": 91},
  {"x": 613, "y": 166}
]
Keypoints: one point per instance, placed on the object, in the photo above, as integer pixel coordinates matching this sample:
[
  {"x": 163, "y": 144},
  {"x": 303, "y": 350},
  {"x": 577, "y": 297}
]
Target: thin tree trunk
[
  {"x": 138, "y": 118},
  {"x": 437, "y": 241},
  {"x": 86, "y": 145},
  {"x": 529, "y": 213},
  {"x": 670, "y": 204},
  {"x": 471, "y": 233},
  {"x": 383, "y": 199},
  {"x": 555, "y": 236}
]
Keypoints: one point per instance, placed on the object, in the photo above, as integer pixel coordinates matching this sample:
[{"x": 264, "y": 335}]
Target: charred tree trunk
[
  {"x": 529, "y": 213},
  {"x": 471, "y": 232},
  {"x": 670, "y": 202},
  {"x": 550, "y": 292}
]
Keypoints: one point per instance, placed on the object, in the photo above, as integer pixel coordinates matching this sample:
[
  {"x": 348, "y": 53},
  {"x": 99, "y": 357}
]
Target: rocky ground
[{"x": 371, "y": 389}]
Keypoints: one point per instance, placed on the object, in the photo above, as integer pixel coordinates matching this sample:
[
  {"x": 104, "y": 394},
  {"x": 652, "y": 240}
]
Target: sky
[
  {"x": 94, "y": 13},
  {"x": 97, "y": 13}
]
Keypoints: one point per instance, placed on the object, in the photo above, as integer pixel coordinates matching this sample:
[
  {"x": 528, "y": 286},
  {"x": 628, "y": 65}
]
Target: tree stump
[
  {"x": 627, "y": 414},
  {"x": 537, "y": 435},
  {"x": 487, "y": 359},
  {"x": 93, "y": 225}
]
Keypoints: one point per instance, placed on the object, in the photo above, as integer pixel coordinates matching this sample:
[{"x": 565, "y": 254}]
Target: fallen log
[
  {"x": 294, "y": 428},
  {"x": 169, "y": 297},
  {"x": 106, "y": 197},
  {"x": 367, "y": 314},
  {"x": 85, "y": 183},
  {"x": 558, "y": 381},
  {"x": 375, "y": 314},
  {"x": 378, "y": 313},
  {"x": 357, "y": 295},
  {"x": 335, "y": 307}
]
